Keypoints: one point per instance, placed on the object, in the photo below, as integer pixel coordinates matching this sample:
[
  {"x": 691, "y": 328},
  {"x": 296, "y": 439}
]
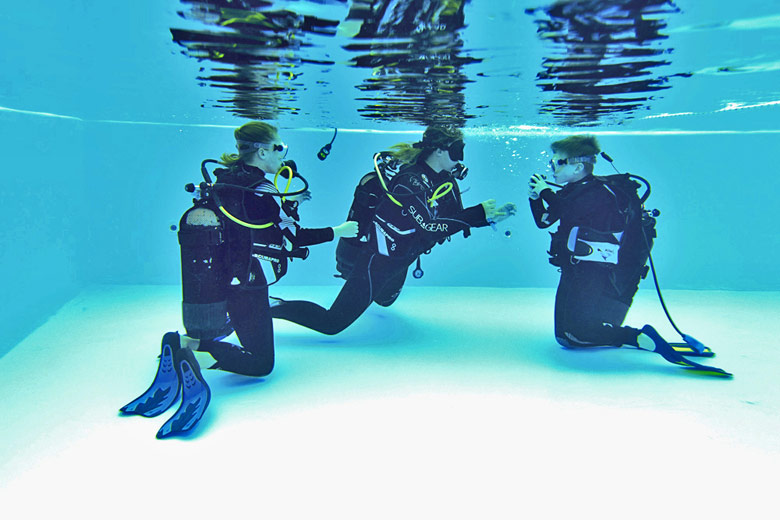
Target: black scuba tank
[{"x": 205, "y": 273}]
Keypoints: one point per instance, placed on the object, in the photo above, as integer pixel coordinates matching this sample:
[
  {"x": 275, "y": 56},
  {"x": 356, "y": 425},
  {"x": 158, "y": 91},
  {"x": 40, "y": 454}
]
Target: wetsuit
[
  {"x": 397, "y": 235},
  {"x": 247, "y": 303},
  {"x": 593, "y": 297}
]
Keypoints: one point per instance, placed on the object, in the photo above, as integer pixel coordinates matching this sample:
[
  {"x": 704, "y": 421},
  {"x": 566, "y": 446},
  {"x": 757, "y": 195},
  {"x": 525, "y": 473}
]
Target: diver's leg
[
  {"x": 585, "y": 316},
  {"x": 351, "y": 302},
  {"x": 561, "y": 318},
  {"x": 251, "y": 318},
  {"x": 353, "y": 299}
]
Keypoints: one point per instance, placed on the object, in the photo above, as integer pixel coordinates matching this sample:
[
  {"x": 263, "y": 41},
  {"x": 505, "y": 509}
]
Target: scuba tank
[
  {"x": 205, "y": 273},
  {"x": 212, "y": 253}
]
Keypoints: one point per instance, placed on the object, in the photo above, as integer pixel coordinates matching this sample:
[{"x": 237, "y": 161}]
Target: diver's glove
[
  {"x": 494, "y": 214},
  {"x": 505, "y": 211},
  {"x": 536, "y": 185},
  {"x": 489, "y": 206},
  {"x": 348, "y": 229}
]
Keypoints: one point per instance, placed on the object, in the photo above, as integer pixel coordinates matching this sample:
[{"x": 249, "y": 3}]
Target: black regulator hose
[{"x": 325, "y": 150}]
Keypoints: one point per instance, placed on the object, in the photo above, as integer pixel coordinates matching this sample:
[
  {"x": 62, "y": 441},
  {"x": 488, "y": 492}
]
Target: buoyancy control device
[{"x": 626, "y": 247}]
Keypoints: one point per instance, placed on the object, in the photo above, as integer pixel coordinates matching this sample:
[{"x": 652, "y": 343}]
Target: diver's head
[
  {"x": 259, "y": 145},
  {"x": 442, "y": 147},
  {"x": 573, "y": 158}
]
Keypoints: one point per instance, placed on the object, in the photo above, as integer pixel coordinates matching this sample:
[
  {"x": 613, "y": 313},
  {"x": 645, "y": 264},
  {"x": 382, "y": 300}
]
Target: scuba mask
[
  {"x": 455, "y": 150},
  {"x": 554, "y": 164}
]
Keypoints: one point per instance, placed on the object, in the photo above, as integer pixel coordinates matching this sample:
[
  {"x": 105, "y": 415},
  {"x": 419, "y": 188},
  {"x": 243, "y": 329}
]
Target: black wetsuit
[
  {"x": 593, "y": 298},
  {"x": 247, "y": 303},
  {"x": 397, "y": 236}
]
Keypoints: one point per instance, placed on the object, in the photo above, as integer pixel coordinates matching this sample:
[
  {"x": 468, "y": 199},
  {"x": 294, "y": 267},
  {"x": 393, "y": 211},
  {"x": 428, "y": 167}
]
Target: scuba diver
[
  {"x": 602, "y": 246},
  {"x": 236, "y": 225},
  {"x": 404, "y": 208}
]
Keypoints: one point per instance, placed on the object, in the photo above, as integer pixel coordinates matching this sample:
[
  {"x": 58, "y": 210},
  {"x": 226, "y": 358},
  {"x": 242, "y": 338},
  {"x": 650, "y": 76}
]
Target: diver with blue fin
[
  {"x": 237, "y": 225},
  {"x": 602, "y": 247}
]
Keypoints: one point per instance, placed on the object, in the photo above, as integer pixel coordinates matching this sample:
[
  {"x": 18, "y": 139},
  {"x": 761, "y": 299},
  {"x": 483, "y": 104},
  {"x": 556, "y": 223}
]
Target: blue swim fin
[
  {"x": 196, "y": 396},
  {"x": 164, "y": 390}
]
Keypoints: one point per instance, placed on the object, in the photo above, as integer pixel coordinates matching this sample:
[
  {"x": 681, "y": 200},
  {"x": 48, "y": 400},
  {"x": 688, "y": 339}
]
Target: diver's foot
[{"x": 164, "y": 390}]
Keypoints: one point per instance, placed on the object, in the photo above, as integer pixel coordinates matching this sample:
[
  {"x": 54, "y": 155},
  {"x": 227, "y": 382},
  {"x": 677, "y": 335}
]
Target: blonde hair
[{"x": 246, "y": 135}]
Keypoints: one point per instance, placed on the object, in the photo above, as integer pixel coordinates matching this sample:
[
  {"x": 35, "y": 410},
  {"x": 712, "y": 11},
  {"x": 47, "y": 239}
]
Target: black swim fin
[
  {"x": 164, "y": 390},
  {"x": 196, "y": 396},
  {"x": 671, "y": 355}
]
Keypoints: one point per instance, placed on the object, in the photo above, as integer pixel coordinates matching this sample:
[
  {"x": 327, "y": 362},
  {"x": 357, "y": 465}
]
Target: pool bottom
[{"x": 453, "y": 402}]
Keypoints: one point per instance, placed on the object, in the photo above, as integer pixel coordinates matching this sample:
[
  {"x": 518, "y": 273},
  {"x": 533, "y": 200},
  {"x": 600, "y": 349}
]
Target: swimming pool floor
[{"x": 453, "y": 403}]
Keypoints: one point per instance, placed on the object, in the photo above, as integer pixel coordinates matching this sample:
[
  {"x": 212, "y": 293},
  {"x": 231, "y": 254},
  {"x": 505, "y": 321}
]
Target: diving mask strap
[
  {"x": 591, "y": 159},
  {"x": 252, "y": 144}
]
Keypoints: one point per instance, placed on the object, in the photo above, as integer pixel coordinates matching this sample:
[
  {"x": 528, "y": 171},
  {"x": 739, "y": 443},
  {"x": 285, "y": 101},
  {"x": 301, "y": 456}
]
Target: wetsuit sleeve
[
  {"x": 545, "y": 209},
  {"x": 295, "y": 234},
  {"x": 308, "y": 236},
  {"x": 435, "y": 227}
]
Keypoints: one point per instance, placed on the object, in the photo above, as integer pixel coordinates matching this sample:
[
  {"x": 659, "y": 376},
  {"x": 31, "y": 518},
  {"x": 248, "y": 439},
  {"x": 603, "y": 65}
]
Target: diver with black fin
[
  {"x": 237, "y": 225},
  {"x": 410, "y": 203},
  {"x": 602, "y": 247}
]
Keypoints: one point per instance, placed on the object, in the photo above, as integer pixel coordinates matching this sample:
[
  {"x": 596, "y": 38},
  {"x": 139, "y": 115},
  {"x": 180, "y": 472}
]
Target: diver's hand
[
  {"x": 536, "y": 185},
  {"x": 498, "y": 214},
  {"x": 348, "y": 229},
  {"x": 504, "y": 212}
]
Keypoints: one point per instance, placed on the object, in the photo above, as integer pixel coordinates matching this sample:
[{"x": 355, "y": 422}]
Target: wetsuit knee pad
[{"x": 388, "y": 300}]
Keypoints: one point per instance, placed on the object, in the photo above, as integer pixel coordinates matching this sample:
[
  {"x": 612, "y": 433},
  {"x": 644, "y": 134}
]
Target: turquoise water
[
  {"x": 456, "y": 402},
  {"x": 104, "y": 120},
  {"x": 103, "y": 125}
]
